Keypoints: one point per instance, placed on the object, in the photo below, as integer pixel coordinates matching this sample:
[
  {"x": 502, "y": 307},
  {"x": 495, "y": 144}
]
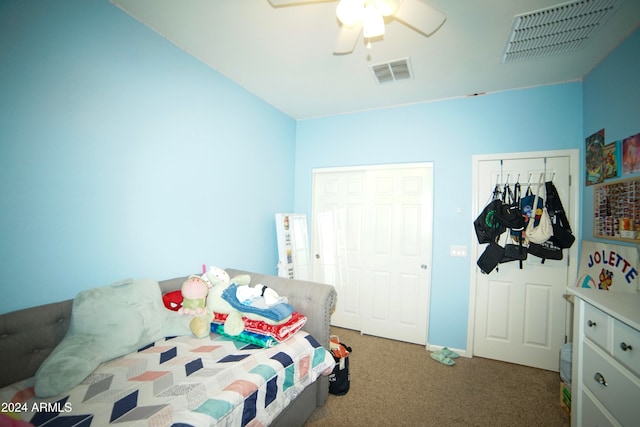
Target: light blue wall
[
  {"x": 123, "y": 156},
  {"x": 612, "y": 101},
  {"x": 446, "y": 133}
]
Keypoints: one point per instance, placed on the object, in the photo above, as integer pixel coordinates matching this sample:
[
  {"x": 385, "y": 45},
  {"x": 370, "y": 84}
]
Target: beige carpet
[{"x": 398, "y": 384}]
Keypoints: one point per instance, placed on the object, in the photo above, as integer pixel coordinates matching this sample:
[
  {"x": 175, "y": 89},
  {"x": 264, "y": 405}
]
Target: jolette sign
[{"x": 608, "y": 267}]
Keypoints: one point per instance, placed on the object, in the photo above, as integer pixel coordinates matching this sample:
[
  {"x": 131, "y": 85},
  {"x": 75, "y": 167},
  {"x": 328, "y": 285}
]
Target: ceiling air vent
[
  {"x": 392, "y": 71},
  {"x": 557, "y": 29}
]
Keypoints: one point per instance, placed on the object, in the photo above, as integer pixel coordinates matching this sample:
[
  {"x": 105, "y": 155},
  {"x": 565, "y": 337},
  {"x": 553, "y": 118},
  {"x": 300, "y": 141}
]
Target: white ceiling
[{"x": 284, "y": 55}]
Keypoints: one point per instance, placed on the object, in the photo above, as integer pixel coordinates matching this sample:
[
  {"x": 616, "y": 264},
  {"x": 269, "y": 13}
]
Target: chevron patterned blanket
[{"x": 181, "y": 381}]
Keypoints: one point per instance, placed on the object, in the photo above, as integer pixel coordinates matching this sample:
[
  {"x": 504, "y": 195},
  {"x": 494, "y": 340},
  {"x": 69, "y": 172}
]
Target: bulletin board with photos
[{"x": 617, "y": 210}]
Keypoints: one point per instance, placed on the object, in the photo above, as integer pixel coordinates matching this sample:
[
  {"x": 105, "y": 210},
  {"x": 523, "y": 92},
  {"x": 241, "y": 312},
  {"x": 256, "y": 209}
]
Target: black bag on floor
[{"x": 339, "y": 379}]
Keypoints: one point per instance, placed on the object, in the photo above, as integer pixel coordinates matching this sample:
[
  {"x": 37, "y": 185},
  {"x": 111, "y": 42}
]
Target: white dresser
[{"x": 605, "y": 372}]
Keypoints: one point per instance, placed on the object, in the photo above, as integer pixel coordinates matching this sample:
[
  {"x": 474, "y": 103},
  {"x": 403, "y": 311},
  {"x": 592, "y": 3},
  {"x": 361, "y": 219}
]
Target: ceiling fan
[{"x": 366, "y": 17}]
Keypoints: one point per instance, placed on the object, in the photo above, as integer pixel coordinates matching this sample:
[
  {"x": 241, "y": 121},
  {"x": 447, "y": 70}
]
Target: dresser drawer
[
  {"x": 626, "y": 345},
  {"x": 618, "y": 392},
  {"x": 593, "y": 415},
  {"x": 596, "y": 325}
]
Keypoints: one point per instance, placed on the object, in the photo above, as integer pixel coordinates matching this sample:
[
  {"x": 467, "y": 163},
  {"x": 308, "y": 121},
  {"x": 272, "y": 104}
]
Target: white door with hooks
[
  {"x": 372, "y": 229},
  {"x": 521, "y": 315}
]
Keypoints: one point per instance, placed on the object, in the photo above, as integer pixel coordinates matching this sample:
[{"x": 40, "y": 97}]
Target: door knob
[
  {"x": 423, "y": 266},
  {"x": 317, "y": 256},
  {"x": 590, "y": 323}
]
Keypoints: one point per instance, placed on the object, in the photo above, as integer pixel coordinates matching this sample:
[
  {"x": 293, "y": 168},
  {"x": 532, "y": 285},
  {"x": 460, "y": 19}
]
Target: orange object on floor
[{"x": 339, "y": 351}]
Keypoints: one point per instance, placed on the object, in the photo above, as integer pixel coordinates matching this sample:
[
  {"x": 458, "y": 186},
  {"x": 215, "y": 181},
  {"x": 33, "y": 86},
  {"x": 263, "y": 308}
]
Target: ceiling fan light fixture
[
  {"x": 350, "y": 12},
  {"x": 387, "y": 7},
  {"x": 373, "y": 22}
]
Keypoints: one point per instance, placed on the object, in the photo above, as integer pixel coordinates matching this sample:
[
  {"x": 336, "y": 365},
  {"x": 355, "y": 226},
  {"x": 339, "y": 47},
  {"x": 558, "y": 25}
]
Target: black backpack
[
  {"x": 340, "y": 379},
  {"x": 510, "y": 215},
  {"x": 562, "y": 235},
  {"x": 487, "y": 227}
]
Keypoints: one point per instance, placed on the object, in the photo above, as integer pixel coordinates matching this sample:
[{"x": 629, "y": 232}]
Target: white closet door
[
  {"x": 372, "y": 240},
  {"x": 520, "y": 314},
  {"x": 338, "y": 204}
]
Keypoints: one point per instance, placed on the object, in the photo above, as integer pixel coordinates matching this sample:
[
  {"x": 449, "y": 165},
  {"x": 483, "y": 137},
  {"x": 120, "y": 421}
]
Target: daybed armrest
[
  {"x": 28, "y": 336},
  {"x": 314, "y": 300}
]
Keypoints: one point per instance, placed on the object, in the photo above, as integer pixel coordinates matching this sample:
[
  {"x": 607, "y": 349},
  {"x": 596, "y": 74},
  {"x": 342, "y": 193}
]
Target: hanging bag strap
[
  {"x": 516, "y": 201},
  {"x": 516, "y": 194},
  {"x": 496, "y": 192},
  {"x": 534, "y": 207},
  {"x": 541, "y": 232},
  {"x": 563, "y": 236},
  {"x": 507, "y": 195},
  {"x": 555, "y": 204}
]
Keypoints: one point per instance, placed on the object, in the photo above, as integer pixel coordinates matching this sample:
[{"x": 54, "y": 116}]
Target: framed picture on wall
[
  {"x": 610, "y": 160},
  {"x": 594, "y": 166},
  {"x": 616, "y": 207},
  {"x": 631, "y": 154}
]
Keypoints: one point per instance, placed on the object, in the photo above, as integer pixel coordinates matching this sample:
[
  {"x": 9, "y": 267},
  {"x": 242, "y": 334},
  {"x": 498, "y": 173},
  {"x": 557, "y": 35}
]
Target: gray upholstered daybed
[{"x": 28, "y": 336}]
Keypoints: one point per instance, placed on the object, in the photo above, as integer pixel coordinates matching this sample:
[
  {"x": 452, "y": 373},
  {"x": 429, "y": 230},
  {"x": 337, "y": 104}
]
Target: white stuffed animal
[{"x": 219, "y": 280}]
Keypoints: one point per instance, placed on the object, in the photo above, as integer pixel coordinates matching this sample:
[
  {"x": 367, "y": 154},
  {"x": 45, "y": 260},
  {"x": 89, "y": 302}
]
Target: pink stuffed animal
[{"x": 194, "y": 291}]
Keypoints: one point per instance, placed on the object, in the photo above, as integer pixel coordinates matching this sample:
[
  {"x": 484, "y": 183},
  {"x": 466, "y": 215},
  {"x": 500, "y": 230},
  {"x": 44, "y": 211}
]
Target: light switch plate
[{"x": 459, "y": 251}]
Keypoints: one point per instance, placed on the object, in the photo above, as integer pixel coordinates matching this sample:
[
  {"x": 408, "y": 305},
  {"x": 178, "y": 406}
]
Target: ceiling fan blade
[
  {"x": 420, "y": 16},
  {"x": 347, "y": 39},
  {"x": 278, "y": 3}
]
